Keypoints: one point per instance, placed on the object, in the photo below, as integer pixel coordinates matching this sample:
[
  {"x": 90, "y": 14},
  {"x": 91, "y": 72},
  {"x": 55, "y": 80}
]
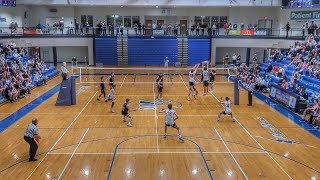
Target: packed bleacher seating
[
  {"x": 19, "y": 73},
  {"x": 296, "y": 70}
]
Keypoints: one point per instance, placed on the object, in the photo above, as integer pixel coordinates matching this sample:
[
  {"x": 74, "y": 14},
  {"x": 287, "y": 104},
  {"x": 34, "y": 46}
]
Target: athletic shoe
[
  {"x": 32, "y": 160},
  {"x": 316, "y": 127},
  {"x": 98, "y": 99},
  {"x": 124, "y": 121},
  {"x": 129, "y": 124},
  {"x": 106, "y": 100},
  {"x": 181, "y": 139},
  {"x": 188, "y": 98},
  {"x": 111, "y": 110},
  {"x": 233, "y": 120},
  {"x": 218, "y": 120},
  {"x": 165, "y": 136}
]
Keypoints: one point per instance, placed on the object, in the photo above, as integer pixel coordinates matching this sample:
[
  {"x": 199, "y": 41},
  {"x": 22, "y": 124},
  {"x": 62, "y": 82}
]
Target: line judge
[
  {"x": 64, "y": 71},
  {"x": 31, "y": 132}
]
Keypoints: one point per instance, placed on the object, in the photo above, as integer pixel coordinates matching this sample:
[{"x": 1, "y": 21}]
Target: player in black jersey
[
  {"x": 102, "y": 90},
  {"x": 111, "y": 80},
  {"x": 160, "y": 87},
  {"x": 212, "y": 75},
  {"x": 125, "y": 112}
]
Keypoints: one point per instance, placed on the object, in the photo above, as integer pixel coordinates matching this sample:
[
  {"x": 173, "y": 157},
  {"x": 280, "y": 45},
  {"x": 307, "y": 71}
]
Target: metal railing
[{"x": 115, "y": 31}]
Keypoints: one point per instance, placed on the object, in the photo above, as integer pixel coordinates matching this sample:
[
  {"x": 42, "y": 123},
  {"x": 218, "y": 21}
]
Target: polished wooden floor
[{"x": 83, "y": 141}]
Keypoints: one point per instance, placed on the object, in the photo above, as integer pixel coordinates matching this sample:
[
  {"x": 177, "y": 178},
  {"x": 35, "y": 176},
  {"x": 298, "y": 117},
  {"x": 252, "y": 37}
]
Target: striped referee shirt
[{"x": 31, "y": 131}]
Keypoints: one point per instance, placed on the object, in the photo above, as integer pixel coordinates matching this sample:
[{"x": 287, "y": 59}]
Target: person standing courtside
[
  {"x": 64, "y": 71},
  {"x": 31, "y": 132},
  {"x": 250, "y": 92}
]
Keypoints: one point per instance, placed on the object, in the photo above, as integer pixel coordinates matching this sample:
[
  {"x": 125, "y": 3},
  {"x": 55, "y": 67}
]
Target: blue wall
[
  {"x": 106, "y": 51},
  {"x": 198, "y": 51},
  {"x": 152, "y": 51}
]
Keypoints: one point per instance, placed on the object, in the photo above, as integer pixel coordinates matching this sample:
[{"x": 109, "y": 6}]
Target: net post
[
  {"x": 80, "y": 74},
  {"x": 236, "y": 91}
]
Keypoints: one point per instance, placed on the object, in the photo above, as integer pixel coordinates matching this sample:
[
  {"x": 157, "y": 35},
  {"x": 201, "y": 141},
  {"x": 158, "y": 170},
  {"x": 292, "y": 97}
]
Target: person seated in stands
[
  {"x": 275, "y": 70},
  {"x": 285, "y": 84},
  {"x": 302, "y": 92},
  {"x": 2, "y": 87},
  {"x": 295, "y": 75},
  {"x": 296, "y": 89},
  {"x": 310, "y": 110},
  {"x": 10, "y": 93},
  {"x": 316, "y": 122},
  {"x": 269, "y": 68},
  {"x": 304, "y": 68},
  {"x": 39, "y": 79}
]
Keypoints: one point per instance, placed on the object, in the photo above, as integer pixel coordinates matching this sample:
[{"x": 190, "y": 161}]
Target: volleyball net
[{"x": 93, "y": 75}]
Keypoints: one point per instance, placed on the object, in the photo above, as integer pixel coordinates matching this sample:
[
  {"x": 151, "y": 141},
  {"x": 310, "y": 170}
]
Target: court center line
[
  {"x": 231, "y": 154},
  {"x": 156, "y": 117},
  {"x": 183, "y": 82},
  {"x": 65, "y": 167},
  {"x": 123, "y": 81},
  {"x": 245, "y": 129},
  {"x": 62, "y": 135},
  {"x": 177, "y": 152}
]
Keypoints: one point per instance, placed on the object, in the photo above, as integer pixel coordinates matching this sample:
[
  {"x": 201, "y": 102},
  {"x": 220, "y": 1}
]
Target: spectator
[
  {"x": 287, "y": 27},
  {"x": 310, "y": 110}
]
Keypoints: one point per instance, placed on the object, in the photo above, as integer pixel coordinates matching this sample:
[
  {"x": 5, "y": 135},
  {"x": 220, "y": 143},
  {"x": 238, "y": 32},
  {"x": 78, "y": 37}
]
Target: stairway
[
  {"x": 183, "y": 51},
  {"x": 122, "y": 47}
]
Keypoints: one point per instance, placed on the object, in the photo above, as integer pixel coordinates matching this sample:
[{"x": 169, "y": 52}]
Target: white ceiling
[{"x": 171, "y": 3}]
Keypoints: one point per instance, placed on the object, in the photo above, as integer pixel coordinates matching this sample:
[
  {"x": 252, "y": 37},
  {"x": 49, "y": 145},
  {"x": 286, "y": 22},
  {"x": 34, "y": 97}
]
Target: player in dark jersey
[
  {"x": 102, "y": 90},
  {"x": 160, "y": 88},
  {"x": 212, "y": 75},
  {"x": 111, "y": 80},
  {"x": 125, "y": 112}
]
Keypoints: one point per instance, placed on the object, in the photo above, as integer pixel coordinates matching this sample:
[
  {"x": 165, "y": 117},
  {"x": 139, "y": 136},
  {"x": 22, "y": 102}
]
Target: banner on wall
[
  {"x": 3, "y": 19},
  {"x": 235, "y": 32},
  {"x": 29, "y": 31},
  {"x": 260, "y": 32},
  {"x": 247, "y": 32},
  {"x": 301, "y": 15},
  {"x": 158, "y": 32}
]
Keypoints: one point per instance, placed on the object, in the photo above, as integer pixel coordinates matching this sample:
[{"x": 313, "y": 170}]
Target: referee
[
  {"x": 64, "y": 71},
  {"x": 31, "y": 131}
]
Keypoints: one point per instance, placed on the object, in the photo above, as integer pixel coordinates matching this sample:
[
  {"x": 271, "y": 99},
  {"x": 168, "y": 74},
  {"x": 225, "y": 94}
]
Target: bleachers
[{"x": 49, "y": 73}]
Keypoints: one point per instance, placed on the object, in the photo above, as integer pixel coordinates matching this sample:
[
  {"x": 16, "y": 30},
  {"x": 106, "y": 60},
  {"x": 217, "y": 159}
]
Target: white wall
[
  {"x": 65, "y": 54},
  {"x": 38, "y": 14}
]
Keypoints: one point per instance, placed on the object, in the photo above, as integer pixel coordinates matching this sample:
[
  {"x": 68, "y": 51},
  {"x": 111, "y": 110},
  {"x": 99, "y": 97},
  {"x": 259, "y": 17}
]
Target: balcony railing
[{"x": 93, "y": 31}]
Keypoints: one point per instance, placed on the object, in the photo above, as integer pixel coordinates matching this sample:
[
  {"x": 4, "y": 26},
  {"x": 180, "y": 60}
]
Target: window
[
  {"x": 214, "y": 20},
  {"x": 110, "y": 20},
  {"x": 127, "y": 21},
  {"x": 135, "y": 20},
  {"x": 206, "y": 20},
  {"x": 197, "y": 20},
  {"x": 119, "y": 19},
  {"x": 85, "y": 18}
]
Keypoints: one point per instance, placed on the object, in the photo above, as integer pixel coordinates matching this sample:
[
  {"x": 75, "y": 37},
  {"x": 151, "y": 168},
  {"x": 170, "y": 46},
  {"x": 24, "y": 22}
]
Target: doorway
[
  {"x": 148, "y": 27},
  {"x": 183, "y": 27}
]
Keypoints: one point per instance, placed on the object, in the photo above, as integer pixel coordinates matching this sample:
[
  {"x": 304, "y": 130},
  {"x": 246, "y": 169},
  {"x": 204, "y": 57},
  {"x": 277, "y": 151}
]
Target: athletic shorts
[
  {"x": 226, "y": 112},
  {"x": 191, "y": 83},
  {"x": 126, "y": 114},
  {"x": 205, "y": 83},
  {"x": 160, "y": 89},
  {"x": 211, "y": 79},
  {"x": 172, "y": 125},
  {"x": 102, "y": 91}
]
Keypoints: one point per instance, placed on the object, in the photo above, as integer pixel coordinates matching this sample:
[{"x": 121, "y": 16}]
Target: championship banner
[
  {"x": 247, "y": 32},
  {"x": 235, "y": 32}
]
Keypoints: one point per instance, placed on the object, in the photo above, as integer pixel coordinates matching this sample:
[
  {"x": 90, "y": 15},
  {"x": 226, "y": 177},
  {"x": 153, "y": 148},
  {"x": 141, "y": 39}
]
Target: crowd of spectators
[
  {"x": 16, "y": 75},
  {"x": 303, "y": 62}
]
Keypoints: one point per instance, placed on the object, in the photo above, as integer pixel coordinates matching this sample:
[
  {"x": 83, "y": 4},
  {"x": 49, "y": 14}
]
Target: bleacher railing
[{"x": 114, "y": 31}]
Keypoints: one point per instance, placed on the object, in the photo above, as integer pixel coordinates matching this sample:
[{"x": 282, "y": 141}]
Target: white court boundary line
[
  {"x": 123, "y": 81},
  {"x": 62, "y": 135},
  {"x": 175, "y": 152},
  {"x": 156, "y": 118},
  {"x": 65, "y": 167},
  {"x": 245, "y": 129},
  {"x": 224, "y": 143}
]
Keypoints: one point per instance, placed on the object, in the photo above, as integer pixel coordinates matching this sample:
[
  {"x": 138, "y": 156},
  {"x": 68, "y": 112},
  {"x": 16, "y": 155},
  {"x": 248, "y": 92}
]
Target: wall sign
[
  {"x": 301, "y": 15},
  {"x": 247, "y": 32},
  {"x": 3, "y": 19},
  {"x": 235, "y": 32}
]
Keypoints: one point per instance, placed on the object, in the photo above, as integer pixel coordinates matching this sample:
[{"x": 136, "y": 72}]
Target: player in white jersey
[
  {"x": 227, "y": 109},
  {"x": 192, "y": 82},
  {"x": 111, "y": 97},
  {"x": 171, "y": 117},
  {"x": 205, "y": 79}
]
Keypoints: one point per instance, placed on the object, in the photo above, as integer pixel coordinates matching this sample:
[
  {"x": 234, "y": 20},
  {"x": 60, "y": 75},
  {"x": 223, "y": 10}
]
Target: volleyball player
[
  {"x": 212, "y": 75},
  {"x": 112, "y": 97},
  {"x": 227, "y": 109},
  {"x": 125, "y": 112},
  {"x": 205, "y": 79},
  {"x": 160, "y": 88},
  {"x": 171, "y": 117},
  {"x": 102, "y": 90},
  {"x": 192, "y": 90},
  {"x": 111, "y": 80}
]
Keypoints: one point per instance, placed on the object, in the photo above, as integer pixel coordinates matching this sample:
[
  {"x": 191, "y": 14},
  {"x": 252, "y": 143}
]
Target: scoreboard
[
  {"x": 10, "y": 3},
  {"x": 297, "y": 4}
]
